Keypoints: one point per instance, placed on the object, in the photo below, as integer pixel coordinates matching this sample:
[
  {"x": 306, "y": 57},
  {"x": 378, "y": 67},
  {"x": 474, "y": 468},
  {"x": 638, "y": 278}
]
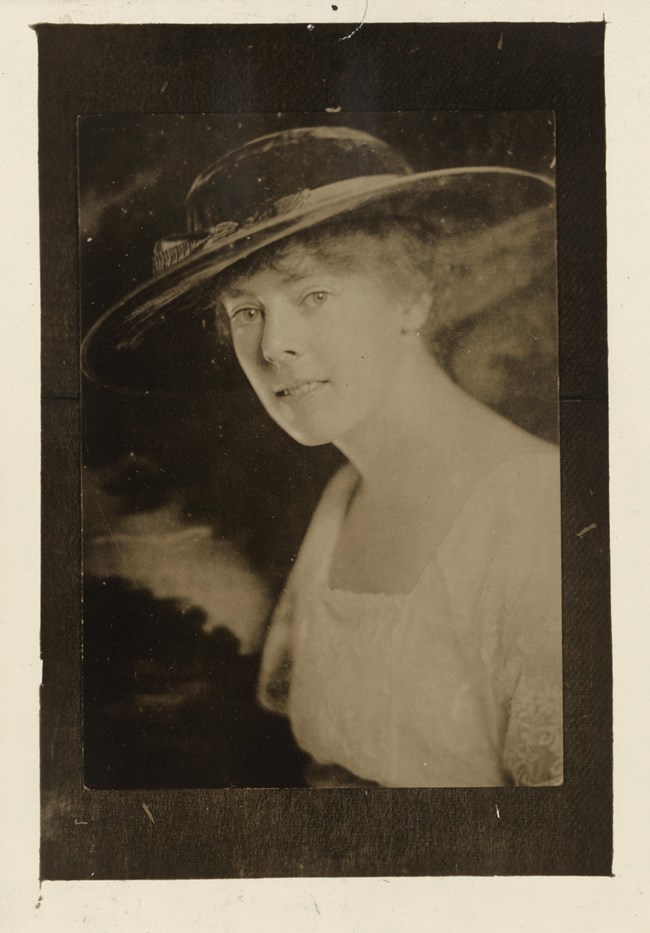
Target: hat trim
[{"x": 171, "y": 250}]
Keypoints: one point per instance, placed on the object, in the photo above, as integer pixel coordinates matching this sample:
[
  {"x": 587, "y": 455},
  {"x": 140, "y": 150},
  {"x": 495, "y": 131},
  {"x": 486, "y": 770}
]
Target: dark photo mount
[{"x": 94, "y": 822}]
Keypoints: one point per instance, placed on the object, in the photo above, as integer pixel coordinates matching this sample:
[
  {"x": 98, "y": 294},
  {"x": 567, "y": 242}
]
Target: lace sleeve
[
  {"x": 533, "y": 746},
  {"x": 533, "y": 740}
]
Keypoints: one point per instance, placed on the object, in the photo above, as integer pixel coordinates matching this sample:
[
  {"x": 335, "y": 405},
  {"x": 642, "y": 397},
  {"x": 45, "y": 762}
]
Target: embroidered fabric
[{"x": 457, "y": 683}]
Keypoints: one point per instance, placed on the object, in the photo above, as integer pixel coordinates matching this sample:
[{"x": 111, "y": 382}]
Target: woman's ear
[{"x": 415, "y": 312}]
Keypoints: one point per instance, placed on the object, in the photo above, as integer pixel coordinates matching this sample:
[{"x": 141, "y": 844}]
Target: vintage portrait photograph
[
  {"x": 325, "y": 532},
  {"x": 321, "y": 472}
]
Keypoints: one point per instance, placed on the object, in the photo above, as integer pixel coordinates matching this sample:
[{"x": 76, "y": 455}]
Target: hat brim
[{"x": 125, "y": 349}]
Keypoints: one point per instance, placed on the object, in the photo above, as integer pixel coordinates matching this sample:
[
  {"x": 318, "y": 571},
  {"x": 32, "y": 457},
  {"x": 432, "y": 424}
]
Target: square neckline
[
  {"x": 341, "y": 505},
  {"x": 378, "y": 597}
]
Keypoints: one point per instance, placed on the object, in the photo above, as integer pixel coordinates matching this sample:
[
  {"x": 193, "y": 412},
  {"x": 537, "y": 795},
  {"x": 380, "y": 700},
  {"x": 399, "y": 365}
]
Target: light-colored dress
[{"x": 457, "y": 683}]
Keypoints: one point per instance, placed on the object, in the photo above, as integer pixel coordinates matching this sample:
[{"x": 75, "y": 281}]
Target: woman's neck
[{"x": 420, "y": 432}]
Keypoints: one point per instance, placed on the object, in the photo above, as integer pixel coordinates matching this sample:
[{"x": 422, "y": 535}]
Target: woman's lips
[{"x": 298, "y": 389}]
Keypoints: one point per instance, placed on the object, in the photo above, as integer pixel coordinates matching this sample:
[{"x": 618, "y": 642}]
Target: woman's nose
[{"x": 281, "y": 336}]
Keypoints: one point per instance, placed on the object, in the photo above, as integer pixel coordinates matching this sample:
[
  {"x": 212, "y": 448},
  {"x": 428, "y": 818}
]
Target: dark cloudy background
[{"x": 194, "y": 507}]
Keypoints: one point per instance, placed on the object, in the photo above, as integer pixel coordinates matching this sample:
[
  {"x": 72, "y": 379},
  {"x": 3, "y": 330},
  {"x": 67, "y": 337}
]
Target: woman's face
[{"x": 319, "y": 341}]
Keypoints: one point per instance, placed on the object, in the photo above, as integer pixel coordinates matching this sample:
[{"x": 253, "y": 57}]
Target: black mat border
[{"x": 284, "y": 833}]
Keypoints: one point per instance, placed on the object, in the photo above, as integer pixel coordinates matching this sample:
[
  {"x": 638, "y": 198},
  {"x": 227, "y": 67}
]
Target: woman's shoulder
[
  {"x": 335, "y": 497},
  {"x": 506, "y": 467},
  {"x": 521, "y": 479},
  {"x": 341, "y": 483},
  {"x": 512, "y": 516},
  {"x": 529, "y": 476},
  {"x": 502, "y": 560},
  {"x": 325, "y": 522}
]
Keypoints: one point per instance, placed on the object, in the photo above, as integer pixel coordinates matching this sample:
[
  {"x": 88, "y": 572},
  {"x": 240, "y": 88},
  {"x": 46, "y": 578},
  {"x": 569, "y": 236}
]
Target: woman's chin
[
  {"x": 309, "y": 438},
  {"x": 314, "y": 430}
]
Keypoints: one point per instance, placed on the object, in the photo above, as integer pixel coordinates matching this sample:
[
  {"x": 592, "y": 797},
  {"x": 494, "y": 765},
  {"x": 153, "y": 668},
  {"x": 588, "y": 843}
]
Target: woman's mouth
[{"x": 299, "y": 389}]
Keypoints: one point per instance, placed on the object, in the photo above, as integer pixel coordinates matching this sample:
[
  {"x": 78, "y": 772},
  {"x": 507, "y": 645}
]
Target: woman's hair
[{"x": 398, "y": 249}]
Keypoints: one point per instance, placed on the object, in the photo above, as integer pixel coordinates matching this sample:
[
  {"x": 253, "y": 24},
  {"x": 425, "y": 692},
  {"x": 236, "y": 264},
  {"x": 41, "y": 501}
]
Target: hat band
[{"x": 171, "y": 250}]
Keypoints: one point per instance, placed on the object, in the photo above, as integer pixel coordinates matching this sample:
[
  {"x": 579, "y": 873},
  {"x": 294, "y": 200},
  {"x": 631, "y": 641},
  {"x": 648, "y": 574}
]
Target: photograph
[
  {"x": 321, "y": 469},
  {"x": 325, "y": 552}
]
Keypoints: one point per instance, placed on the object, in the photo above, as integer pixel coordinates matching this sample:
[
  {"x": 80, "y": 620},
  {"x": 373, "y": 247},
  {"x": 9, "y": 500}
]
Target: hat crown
[{"x": 277, "y": 166}]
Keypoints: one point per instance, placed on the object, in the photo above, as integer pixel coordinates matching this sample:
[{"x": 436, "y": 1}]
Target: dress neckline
[
  {"x": 339, "y": 509},
  {"x": 348, "y": 482}
]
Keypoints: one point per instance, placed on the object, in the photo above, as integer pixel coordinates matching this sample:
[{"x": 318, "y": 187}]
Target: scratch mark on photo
[{"x": 363, "y": 19}]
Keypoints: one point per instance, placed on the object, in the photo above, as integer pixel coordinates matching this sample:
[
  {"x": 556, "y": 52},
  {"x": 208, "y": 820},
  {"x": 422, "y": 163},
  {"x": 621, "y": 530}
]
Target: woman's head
[
  {"x": 316, "y": 186},
  {"x": 324, "y": 324}
]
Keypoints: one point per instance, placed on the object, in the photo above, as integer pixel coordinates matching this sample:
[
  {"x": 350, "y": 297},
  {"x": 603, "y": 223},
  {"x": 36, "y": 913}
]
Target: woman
[{"x": 418, "y": 638}]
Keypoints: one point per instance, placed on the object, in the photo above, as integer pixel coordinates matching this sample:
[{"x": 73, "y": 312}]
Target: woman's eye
[
  {"x": 315, "y": 298},
  {"x": 245, "y": 315}
]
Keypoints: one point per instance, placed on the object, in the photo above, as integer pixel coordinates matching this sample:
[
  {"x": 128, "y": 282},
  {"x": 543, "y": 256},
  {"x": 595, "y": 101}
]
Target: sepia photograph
[
  {"x": 321, "y": 482},
  {"x": 340, "y": 386},
  {"x": 323, "y": 359},
  {"x": 325, "y": 565}
]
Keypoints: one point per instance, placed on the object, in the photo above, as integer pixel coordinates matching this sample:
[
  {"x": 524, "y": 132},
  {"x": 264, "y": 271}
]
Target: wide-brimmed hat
[{"x": 493, "y": 227}]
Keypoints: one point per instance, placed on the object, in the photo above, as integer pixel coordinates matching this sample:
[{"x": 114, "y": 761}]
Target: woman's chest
[
  {"x": 384, "y": 686},
  {"x": 386, "y": 547}
]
